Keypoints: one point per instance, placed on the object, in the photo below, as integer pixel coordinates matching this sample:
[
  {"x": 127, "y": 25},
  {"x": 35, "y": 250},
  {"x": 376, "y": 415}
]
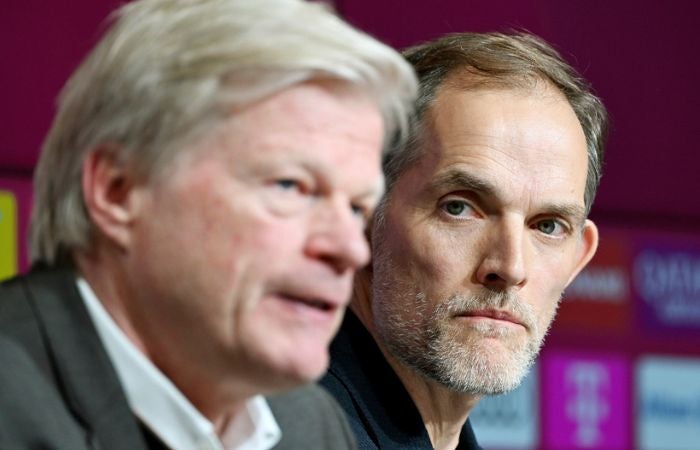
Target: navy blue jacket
[{"x": 380, "y": 410}]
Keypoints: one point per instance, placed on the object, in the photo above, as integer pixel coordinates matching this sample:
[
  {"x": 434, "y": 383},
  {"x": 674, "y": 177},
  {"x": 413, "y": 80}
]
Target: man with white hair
[{"x": 200, "y": 203}]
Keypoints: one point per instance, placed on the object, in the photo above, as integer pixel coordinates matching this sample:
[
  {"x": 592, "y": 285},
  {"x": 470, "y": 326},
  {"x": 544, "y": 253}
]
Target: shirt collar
[{"x": 157, "y": 402}]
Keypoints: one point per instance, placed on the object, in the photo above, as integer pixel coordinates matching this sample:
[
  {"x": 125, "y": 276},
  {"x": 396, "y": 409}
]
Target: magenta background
[
  {"x": 41, "y": 42},
  {"x": 558, "y": 429}
]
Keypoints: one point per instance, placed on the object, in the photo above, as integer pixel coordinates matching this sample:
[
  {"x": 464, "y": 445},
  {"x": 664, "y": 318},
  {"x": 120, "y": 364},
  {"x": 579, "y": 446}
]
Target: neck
[
  {"x": 444, "y": 412},
  {"x": 111, "y": 287},
  {"x": 107, "y": 282}
]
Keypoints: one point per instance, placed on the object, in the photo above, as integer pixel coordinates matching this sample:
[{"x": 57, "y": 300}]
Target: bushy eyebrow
[{"x": 457, "y": 179}]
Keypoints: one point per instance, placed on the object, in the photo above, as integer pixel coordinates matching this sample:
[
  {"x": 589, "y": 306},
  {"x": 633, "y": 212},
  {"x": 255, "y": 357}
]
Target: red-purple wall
[{"x": 41, "y": 42}]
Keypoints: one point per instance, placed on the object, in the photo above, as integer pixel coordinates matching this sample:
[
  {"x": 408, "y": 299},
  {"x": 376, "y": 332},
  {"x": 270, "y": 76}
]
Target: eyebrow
[
  {"x": 457, "y": 179},
  {"x": 375, "y": 193},
  {"x": 575, "y": 213}
]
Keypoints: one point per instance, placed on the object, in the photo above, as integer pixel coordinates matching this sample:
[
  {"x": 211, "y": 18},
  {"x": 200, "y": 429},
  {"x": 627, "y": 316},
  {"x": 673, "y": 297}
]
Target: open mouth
[{"x": 320, "y": 305}]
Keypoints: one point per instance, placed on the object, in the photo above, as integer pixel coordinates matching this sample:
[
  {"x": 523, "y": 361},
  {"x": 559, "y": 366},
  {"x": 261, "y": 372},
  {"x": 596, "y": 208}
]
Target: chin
[
  {"x": 311, "y": 369},
  {"x": 295, "y": 369}
]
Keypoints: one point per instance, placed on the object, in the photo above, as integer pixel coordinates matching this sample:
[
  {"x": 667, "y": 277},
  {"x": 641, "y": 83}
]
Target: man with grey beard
[{"x": 483, "y": 225}]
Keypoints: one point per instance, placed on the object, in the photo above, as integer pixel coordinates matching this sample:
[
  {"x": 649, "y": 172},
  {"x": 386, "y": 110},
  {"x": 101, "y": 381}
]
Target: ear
[
  {"x": 107, "y": 192},
  {"x": 587, "y": 246}
]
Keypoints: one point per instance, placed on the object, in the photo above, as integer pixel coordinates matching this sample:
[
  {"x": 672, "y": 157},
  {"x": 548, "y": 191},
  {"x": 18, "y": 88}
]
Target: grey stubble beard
[{"x": 439, "y": 346}]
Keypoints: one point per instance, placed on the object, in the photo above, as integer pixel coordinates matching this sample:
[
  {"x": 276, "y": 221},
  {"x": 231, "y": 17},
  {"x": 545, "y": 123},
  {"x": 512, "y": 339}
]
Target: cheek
[
  {"x": 441, "y": 258},
  {"x": 431, "y": 260},
  {"x": 546, "y": 300}
]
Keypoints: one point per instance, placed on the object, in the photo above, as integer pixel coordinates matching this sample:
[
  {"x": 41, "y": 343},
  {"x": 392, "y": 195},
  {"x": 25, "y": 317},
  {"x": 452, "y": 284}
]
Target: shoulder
[
  {"x": 341, "y": 392},
  {"x": 40, "y": 280},
  {"x": 32, "y": 412},
  {"x": 310, "y": 418},
  {"x": 361, "y": 428},
  {"x": 21, "y": 326}
]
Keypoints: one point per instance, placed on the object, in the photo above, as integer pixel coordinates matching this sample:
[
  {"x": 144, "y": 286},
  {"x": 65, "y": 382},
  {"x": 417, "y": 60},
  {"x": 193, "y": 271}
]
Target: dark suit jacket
[
  {"x": 59, "y": 390},
  {"x": 381, "y": 412}
]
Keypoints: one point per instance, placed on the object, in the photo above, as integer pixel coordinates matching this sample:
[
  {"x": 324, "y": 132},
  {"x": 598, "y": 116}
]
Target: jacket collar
[
  {"x": 385, "y": 406},
  {"x": 84, "y": 373}
]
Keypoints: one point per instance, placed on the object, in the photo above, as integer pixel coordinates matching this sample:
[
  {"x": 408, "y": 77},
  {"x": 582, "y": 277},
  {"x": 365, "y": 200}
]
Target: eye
[
  {"x": 358, "y": 210},
  {"x": 362, "y": 213},
  {"x": 456, "y": 208},
  {"x": 288, "y": 184},
  {"x": 550, "y": 227}
]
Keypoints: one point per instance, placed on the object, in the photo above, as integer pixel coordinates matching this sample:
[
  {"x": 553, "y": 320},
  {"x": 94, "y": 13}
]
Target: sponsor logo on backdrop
[
  {"x": 605, "y": 284},
  {"x": 667, "y": 282},
  {"x": 16, "y": 205},
  {"x": 588, "y": 405},
  {"x": 587, "y": 402},
  {"x": 599, "y": 297},
  {"x": 8, "y": 235},
  {"x": 668, "y": 399},
  {"x": 509, "y": 421}
]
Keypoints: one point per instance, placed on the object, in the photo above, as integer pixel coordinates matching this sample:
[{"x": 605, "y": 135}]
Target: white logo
[{"x": 587, "y": 406}]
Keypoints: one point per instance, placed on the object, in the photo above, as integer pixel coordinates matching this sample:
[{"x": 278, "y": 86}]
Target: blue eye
[
  {"x": 456, "y": 207},
  {"x": 550, "y": 227}
]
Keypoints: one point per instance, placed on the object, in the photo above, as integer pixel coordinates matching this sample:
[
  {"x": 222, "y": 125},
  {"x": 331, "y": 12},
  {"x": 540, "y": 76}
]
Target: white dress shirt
[{"x": 161, "y": 407}]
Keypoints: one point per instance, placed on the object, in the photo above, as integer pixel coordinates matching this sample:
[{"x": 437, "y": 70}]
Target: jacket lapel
[{"x": 84, "y": 372}]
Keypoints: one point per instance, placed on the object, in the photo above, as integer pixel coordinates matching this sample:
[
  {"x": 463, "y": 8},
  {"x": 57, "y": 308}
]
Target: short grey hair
[
  {"x": 167, "y": 70},
  {"x": 517, "y": 60}
]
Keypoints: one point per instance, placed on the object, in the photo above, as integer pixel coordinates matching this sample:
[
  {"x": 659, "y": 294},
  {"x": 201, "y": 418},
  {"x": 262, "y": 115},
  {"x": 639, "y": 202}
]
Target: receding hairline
[{"x": 467, "y": 78}]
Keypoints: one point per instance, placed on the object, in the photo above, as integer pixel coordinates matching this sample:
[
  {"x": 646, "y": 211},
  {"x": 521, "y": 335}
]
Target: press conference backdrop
[{"x": 621, "y": 367}]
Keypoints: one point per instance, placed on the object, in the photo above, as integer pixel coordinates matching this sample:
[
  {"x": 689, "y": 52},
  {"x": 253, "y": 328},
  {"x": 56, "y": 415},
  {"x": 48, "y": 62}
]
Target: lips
[
  {"x": 316, "y": 303},
  {"x": 494, "y": 314},
  {"x": 313, "y": 299}
]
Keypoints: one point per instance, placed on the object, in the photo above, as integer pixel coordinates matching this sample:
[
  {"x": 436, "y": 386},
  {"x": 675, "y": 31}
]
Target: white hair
[{"x": 167, "y": 70}]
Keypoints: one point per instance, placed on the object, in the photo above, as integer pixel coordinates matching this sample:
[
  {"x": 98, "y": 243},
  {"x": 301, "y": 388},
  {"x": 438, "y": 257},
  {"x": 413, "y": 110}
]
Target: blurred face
[
  {"x": 243, "y": 255},
  {"x": 481, "y": 236}
]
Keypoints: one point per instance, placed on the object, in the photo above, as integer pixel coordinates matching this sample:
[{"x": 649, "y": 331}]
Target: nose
[
  {"x": 337, "y": 237},
  {"x": 503, "y": 264}
]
